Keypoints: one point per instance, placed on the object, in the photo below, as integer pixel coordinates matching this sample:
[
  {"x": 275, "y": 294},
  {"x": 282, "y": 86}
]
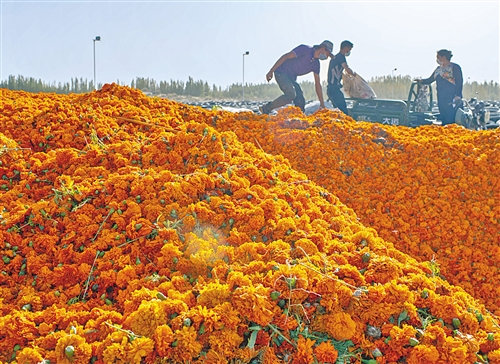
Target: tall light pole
[
  {"x": 395, "y": 69},
  {"x": 243, "y": 84},
  {"x": 98, "y": 38}
]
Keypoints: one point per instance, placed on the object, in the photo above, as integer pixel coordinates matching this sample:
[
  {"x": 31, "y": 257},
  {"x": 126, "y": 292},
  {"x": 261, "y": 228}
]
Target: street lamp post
[
  {"x": 98, "y": 38},
  {"x": 243, "y": 84},
  {"x": 395, "y": 69}
]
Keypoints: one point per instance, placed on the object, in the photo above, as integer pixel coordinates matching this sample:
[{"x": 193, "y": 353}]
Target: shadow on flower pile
[{"x": 140, "y": 230}]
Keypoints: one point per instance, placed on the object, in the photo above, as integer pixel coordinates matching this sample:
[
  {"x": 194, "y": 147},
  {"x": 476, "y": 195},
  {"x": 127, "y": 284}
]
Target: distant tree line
[
  {"x": 398, "y": 87},
  {"x": 203, "y": 89},
  {"x": 32, "y": 84},
  {"x": 387, "y": 87}
]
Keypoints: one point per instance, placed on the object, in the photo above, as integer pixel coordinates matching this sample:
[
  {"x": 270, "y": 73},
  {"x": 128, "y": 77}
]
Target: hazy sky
[{"x": 172, "y": 40}]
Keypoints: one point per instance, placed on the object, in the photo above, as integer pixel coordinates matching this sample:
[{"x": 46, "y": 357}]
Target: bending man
[{"x": 300, "y": 61}]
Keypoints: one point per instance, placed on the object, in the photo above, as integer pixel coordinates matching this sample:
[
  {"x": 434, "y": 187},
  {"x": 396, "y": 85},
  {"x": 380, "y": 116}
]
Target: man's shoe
[{"x": 263, "y": 110}]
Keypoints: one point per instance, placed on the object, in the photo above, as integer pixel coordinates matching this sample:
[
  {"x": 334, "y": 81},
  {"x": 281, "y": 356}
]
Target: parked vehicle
[
  {"x": 486, "y": 114},
  {"x": 417, "y": 110}
]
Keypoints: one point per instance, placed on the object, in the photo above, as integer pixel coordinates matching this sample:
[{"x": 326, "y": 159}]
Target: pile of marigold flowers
[
  {"x": 139, "y": 230},
  {"x": 432, "y": 191}
]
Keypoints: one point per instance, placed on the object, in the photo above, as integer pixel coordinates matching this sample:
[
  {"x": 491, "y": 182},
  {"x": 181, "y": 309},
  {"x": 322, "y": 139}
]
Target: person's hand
[
  {"x": 457, "y": 98},
  {"x": 269, "y": 76}
]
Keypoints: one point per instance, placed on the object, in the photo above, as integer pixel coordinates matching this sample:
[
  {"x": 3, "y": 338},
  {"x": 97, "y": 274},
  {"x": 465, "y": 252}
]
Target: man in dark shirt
[
  {"x": 300, "y": 61},
  {"x": 334, "y": 79}
]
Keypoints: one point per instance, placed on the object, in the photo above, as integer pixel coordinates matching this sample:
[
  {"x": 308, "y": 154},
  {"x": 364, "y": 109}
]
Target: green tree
[{"x": 386, "y": 87}]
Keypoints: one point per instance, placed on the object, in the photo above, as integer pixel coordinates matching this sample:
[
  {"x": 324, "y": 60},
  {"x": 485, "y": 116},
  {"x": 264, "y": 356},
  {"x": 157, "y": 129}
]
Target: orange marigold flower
[
  {"x": 45, "y": 328},
  {"x": 304, "y": 353},
  {"x": 400, "y": 336},
  {"x": 269, "y": 356},
  {"x": 224, "y": 342},
  {"x": 229, "y": 317},
  {"x": 163, "y": 337},
  {"x": 326, "y": 353},
  {"x": 423, "y": 354},
  {"x": 125, "y": 275},
  {"x": 340, "y": 325},
  {"x": 73, "y": 348},
  {"x": 492, "y": 344},
  {"x": 494, "y": 357}
]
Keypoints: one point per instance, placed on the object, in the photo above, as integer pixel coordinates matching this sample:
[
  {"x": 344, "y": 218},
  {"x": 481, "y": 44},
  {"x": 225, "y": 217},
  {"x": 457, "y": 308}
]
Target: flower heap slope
[
  {"x": 432, "y": 191},
  {"x": 135, "y": 231}
]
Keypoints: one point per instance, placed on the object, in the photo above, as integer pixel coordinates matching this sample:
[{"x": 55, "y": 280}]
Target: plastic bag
[{"x": 355, "y": 86}]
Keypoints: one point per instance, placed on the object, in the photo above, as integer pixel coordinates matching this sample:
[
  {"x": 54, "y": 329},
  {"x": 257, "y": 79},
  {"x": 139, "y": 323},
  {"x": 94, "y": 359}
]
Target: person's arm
[
  {"x": 279, "y": 62},
  {"x": 329, "y": 73},
  {"x": 427, "y": 81},
  {"x": 348, "y": 69},
  {"x": 459, "y": 80},
  {"x": 319, "y": 90}
]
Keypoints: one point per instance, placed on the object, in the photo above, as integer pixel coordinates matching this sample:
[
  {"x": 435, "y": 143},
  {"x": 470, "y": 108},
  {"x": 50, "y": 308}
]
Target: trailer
[{"x": 417, "y": 110}]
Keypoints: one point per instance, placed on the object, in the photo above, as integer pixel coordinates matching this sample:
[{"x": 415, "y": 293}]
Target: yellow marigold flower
[
  {"x": 207, "y": 317},
  {"x": 382, "y": 269},
  {"x": 453, "y": 351},
  {"x": 285, "y": 227},
  {"x": 213, "y": 293},
  {"x": 445, "y": 307},
  {"x": 401, "y": 335},
  {"x": 147, "y": 318},
  {"x": 340, "y": 325},
  {"x": 279, "y": 251},
  {"x": 185, "y": 345},
  {"x": 28, "y": 296},
  {"x": 237, "y": 279},
  {"x": 29, "y": 356},
  {"x": 115, "y": 353},
  {"x": 253, "y": 302},
  {"x": 73, "y": 349},
  {"x": 138, "y": 349},
  {"x": 305, "y": 247}
]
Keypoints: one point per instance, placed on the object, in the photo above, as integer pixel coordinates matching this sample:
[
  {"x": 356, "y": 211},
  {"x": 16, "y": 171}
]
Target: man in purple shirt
[{"x": 300, "y": 61}]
